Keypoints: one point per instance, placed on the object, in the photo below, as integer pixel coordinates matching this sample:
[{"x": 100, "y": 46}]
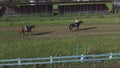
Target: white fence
[{"x": 59, "y": 59}]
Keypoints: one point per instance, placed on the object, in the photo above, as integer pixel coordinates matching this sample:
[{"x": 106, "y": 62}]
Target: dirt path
[
  {"x": 85, "y": 29},
  {"x": 89, "y": 29}
]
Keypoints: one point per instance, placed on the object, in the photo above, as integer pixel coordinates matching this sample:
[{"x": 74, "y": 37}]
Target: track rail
[{"x": 60, "y": 59}]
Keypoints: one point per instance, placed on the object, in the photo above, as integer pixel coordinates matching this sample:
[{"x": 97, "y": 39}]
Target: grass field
[
  {"x": 52, "y": 38},
  {"x": 44, "y": 47},
  {"x": 19, "y": 21}
]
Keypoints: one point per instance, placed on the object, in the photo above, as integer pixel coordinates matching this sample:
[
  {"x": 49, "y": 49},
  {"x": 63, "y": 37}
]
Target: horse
[
  {"x": 29, "y": 29},
  {"x": 75, "y": 25}
]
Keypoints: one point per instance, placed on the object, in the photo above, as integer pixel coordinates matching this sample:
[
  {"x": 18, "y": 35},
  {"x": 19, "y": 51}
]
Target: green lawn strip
[
  {"x": 37, "y": 22},
  {"x": 45, "y": 47}
]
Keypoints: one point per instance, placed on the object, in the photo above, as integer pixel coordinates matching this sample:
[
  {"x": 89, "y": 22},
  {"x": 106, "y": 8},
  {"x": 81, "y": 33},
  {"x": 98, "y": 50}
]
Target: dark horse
[
  {"x": 29, "y": 29},
  {"x": 75, "y": 25}
]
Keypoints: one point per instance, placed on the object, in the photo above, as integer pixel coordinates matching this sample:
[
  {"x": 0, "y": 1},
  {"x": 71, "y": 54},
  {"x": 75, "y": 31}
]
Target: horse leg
[
  {"x": 70, "y": 28},
  {"x": 23, "y": 33},
  {"x": 31, "y": 32},
  {"x": 78, "y": 28},
  {"x": 27, "y": 33}
]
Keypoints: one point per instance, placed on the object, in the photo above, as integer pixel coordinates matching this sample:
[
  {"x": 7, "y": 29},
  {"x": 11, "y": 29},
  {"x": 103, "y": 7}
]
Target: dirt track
[
  {"x": 85, "y": 29},
  {"x": 89, "y": 29}
]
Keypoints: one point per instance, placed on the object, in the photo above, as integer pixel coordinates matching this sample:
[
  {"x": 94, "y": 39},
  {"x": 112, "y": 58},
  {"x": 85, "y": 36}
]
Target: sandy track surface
[
  {"x": 63, "y": 31},
  {"x": 90, "y": 29}
]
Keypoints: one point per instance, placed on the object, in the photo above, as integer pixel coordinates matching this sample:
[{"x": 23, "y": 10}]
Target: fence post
[
  {"x": 19, "y": 62},
  {"x": 51, "y": 59},
  {"x": 110, "y": 55},
  {"x": 82, "y": 58}
]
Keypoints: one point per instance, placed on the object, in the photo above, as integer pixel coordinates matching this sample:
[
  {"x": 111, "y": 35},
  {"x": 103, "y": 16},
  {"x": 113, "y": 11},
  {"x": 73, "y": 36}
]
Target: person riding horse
[
  {"x": 75, "y": 24},
  {"x": 76, "y": 21},
  {"x": 27, "y": 28}
]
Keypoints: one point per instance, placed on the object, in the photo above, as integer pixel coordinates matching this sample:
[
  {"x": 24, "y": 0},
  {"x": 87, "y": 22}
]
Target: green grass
[
  {"x": 55, "y": 6},
  {"x": 15, "y": 22},
  {"x": 45, "y": 47},
  {"x": 24, "y": 47},
  {"x": 109, "y": 5}
]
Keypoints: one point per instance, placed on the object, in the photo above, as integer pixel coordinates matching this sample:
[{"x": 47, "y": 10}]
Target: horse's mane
[{"x": 32, "y": 26}]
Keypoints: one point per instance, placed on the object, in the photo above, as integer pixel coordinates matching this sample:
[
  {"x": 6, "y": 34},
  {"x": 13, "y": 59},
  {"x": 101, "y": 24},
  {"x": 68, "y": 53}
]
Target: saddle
[
  {"x": 26, "y": 29},
  {"x": 75, "y": 24}
]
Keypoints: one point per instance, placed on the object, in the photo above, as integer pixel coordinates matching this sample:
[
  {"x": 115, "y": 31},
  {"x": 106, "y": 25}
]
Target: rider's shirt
[
  {"x": 25, "y": 27},
  {"x": 76, "y": 20}
]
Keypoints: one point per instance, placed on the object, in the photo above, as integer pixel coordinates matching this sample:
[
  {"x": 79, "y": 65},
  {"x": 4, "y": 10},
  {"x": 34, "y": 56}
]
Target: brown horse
[{"x": 29, "y": 29}]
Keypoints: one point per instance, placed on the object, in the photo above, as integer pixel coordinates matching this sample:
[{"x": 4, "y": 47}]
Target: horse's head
[
  {"x": 32, "y": 26},
  {"x": 80, "y": 21}
]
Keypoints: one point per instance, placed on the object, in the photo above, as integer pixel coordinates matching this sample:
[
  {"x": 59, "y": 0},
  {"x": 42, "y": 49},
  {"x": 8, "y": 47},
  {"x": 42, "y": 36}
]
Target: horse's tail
[
  {"x": 21, "y": 30},
  {"x": 70, "y": 27}
]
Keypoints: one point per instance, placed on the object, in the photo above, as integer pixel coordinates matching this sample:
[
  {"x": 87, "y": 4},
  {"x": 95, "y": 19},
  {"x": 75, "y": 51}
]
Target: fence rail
[{"x": 59, "y": 59}]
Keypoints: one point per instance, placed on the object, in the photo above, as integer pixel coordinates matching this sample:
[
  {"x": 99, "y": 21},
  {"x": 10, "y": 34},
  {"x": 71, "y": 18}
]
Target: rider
[
  {"x": 76, "y": 21},
  {"x": 26, "y": 26}
]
